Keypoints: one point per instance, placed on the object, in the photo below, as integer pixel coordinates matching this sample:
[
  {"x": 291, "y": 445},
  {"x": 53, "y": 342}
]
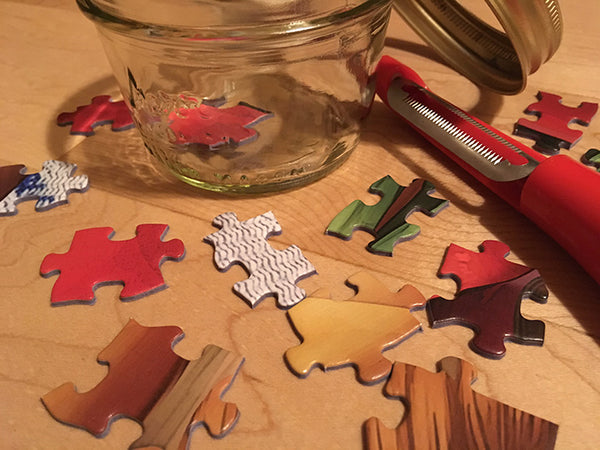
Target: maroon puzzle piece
[
  {"x": 101, "y": 111},
  {"x": 213, "y": 127},
  {"x": 94, "y": 260},
  {"x": 551, "y": 131},
  {"x": 489, "y": 298},
  {"x": 10, "y": 177}
]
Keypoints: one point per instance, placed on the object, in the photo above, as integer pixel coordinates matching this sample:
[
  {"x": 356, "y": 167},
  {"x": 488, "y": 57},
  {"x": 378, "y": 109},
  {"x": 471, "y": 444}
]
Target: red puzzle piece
[
  {"x": 551, "y": 131},
  {"x": 213, "y": 127},
  {"x": 101, "y": 111},
  {"x": 94, "y": 260},
  {"x": 489, "y": 298}
]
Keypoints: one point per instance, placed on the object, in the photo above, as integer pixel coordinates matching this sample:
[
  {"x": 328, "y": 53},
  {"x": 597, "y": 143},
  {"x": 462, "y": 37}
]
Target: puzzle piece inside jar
[
  {"x": 489, "y": 298},
  {"x": 442, "y": 411},
  {"x": 50, "y": 187},
  {"x": 592, "y": 158},
  {"x": 150, "y": 383},
  {"x": 95, "y": 260},
  {"x": 272, "y": 272},
  {"x": 551, "y": 130},
  {"x": 386, "y": 220},
  {"x": 213, "y": 127},
  {"x": 101, "y": 111},
  {"x": 355, "y": 331}
]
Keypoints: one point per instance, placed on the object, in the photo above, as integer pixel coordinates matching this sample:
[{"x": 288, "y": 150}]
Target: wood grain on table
[{"x": 52, "y": 61}]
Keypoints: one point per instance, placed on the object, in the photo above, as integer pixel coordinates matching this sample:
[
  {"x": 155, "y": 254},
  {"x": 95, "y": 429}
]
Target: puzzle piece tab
[
  {"x": 50, "y": 187},
  {"x": 592, "y": 158},
  {"x": 148, "y": 382},
  {"x": 272, "y": 272},
  {"x": 443, "y": 412},
  {"x": 94, "y": 260},
  {"x": 213, "y": 127},
  {"x": 489, "y": 298},
  {"x": 551, "y": 131},
  {"x": 101, "y": 111},
  {"x": 354, "y": 331},
  {"x": 387, "y": 219}
]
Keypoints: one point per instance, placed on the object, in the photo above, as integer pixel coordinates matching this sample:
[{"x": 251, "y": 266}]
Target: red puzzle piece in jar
[{"x": 214, "y": 127}]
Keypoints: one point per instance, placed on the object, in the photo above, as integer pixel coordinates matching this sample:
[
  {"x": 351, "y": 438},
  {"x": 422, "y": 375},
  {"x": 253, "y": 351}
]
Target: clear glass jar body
[{"x": 276, "y": 100}]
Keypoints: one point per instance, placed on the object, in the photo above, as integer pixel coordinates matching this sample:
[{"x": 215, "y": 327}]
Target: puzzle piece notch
[
  {"x": 592, "y": 158},
  {"x": 272, "y": 272},
  {"x": 148, "y": 382},
  {"x": 386, "y": 220},
  {"x": 551, "y": 130},
  {"x": 51, "y": 187},
  {"x": 353, "y": 332},
  {"x": 101, "y": 111},
  {"x": 94, "y": 260},
  {"x": 440, "y": 411},
  {"x": 491, "y": 309},
  {"x": 215, "y": 127}
]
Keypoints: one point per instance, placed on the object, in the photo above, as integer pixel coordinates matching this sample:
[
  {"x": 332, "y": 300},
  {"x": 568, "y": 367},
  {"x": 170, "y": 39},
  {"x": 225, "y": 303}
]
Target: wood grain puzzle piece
[
  {"x": 551, "y": 130},
  {"x": 147, "y": 382},
  {"x": 94, "y": 260},
  {"x": 489, "y": 298},
  {"x": 101, "y": 111},
  {"x": 10, "y": 178},
  {"x": 272, "y": 272},
  {"x": 50, "y": 187},
  {"x": 386, "y": 220},
  {"x": 355, "y": 331},
  {"x": 218, "y": 417},
  {"x": 443, "y": 412},
  {"x": 592, "y": 158},
  {"x": 214, "y": 127}
]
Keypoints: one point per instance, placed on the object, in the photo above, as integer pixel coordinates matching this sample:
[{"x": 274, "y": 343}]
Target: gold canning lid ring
[{"x": 487, "y": 56}]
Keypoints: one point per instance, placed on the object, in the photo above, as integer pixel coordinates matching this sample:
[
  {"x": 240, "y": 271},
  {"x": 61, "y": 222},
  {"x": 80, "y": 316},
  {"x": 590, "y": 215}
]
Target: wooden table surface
[{"x": 52, "y": 61}]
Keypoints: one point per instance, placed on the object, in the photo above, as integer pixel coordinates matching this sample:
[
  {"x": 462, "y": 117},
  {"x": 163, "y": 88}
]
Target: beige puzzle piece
[{"x": 355, "y": 331}]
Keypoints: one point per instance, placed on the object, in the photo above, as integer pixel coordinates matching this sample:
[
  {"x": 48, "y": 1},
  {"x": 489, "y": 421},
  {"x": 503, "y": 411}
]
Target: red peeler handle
[{"x": 562, "y": 197}]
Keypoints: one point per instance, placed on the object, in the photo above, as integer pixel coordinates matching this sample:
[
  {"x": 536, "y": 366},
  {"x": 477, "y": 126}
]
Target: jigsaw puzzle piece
[
  {"x": 489, "y": 303},
  {"x": 147, "y": 382},
  {"x": 592, "y": 158},
  {"x": 94, "y": 260},
  {"x": 272, "y": 272},
  {"x": 551, "y": 131},
  {"x": 443, "y": 412},
  {"x": 218, "y": 417},
  {"x": 50, "y": 187},
  {"x": 213, "y": 127},
  {"x": 386, "y": 220},
  {"x": 101, "y": 111},
  {"x": 339, "y": 333},
  {"x": 10, "y": 178}
]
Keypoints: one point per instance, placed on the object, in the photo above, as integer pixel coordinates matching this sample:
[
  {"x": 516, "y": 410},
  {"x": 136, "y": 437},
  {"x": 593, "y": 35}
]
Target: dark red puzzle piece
[
  {"x": 94, "y": 260},
  {"x": 214, "y": 127},
  {"x": 489, "y": 298},
  {"x": 551, "y": 131},
  {"x": 100, "y": 112},
  {"x": 10, "y": 177}
]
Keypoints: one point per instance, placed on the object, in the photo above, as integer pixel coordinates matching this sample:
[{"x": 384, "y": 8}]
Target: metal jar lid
[{"x": 487, "y": 56}]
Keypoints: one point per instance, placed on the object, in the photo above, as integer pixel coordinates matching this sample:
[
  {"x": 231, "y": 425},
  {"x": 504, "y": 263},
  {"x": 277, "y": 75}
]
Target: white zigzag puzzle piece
[
  {"x": 50, "y": 187},
  {"x": 271, "y": 271}
]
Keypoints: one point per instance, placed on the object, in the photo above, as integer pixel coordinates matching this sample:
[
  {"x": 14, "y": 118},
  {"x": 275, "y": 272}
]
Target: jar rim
[{"x": 282, "y": 27}]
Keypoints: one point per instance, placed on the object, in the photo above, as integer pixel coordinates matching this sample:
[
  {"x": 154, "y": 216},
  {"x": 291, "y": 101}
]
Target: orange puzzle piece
[
  {"x": 355, "y": 331},
  {"x": 443, "y": 412},
  {"x": 148, "y": 382}
]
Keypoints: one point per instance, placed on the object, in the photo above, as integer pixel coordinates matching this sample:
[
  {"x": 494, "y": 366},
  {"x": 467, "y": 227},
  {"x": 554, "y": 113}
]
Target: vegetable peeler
[{"x": 558, "y": 194}]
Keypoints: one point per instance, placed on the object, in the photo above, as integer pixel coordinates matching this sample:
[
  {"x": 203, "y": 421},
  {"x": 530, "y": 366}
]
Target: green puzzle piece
[
  {"x": 386, "y": 220},
  {"x": 592, "y": 158}
]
